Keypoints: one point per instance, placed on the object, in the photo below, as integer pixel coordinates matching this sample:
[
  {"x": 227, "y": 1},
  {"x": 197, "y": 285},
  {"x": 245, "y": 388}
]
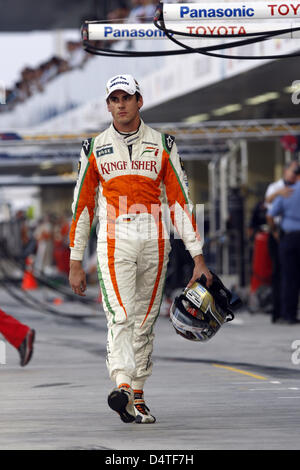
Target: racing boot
[
  {"x": 121, "y": 401},
  {"x": 142, "y": 411}
]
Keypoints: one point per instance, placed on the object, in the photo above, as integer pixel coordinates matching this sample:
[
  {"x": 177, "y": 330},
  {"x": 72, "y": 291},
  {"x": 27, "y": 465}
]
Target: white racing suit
[{"x": 129, "y": 178}]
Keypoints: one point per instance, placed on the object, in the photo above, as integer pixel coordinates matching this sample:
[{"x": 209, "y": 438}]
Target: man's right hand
[
  {"x": 77, "y": 277},
  {"x": 286, "y": 191}
]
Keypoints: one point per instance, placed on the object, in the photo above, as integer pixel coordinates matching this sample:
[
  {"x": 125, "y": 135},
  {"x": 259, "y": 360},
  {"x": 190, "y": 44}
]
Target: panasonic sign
[
  {"x": 190, "y": 13},
  {"x": 212, "y": 28},
  {"x": 243, "y": 10},
  {"x": 124, "y": 31}
]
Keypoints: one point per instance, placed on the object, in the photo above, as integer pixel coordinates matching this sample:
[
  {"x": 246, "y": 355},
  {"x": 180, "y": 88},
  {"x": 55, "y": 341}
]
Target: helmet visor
[{"x": 190, "y": 326}]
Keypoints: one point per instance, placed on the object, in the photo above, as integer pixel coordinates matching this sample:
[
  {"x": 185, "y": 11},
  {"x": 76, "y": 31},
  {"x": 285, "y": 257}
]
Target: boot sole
[
  {"x": 139, "y": 420},
  {"x": 118, "y": 401},
  {"x": 27, "y": 359}
]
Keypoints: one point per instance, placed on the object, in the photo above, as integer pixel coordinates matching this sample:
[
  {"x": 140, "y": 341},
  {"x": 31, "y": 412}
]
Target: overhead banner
[
  {"x": 100, "y": 32},
  {"x": 236, "y": 11}
]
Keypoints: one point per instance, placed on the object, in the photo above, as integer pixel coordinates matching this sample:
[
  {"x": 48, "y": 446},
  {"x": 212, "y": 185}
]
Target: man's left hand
[{"x": 199, "y": 269}]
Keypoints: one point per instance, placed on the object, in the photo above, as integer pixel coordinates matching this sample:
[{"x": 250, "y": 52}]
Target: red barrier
[{"x": 261, "y": 262}]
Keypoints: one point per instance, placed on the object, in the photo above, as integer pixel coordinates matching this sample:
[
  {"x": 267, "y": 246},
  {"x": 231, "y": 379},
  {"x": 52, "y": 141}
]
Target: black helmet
[{"x": 200, "y": 311}]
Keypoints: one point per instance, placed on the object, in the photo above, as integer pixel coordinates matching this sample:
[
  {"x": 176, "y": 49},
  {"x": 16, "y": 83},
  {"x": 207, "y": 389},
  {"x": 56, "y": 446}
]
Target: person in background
[
  {"x": 43, "y": 235},
  {"x": 282, "y": 188},
  {"x": 61, "y": 252},
  {"x": 288, "y": 208}
]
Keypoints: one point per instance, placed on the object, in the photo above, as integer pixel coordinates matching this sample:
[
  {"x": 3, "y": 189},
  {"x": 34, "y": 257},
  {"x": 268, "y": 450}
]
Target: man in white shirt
[{"x": 281, "y": 187}]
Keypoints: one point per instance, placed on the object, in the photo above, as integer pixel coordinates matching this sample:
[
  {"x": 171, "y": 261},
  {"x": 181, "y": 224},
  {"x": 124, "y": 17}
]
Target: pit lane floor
[{"x": 239, "y": 391}]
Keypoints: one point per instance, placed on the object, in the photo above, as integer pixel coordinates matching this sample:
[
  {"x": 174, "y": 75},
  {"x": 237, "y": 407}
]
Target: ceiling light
[
  {"x": 196, "y": 118},
  {"x": 45, "y": 165},
  {"x": 230, "y": 108},
  {"x": 273, "y": 95}
]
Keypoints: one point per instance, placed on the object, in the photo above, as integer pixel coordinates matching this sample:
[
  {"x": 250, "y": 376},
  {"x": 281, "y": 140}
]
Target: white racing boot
[
  {"x": 142, "y": 411},
  {"x": 121, "y": 401}
]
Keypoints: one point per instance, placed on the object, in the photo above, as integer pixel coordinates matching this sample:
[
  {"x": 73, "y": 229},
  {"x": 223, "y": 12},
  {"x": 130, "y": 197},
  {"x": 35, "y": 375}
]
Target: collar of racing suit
[{"x": 129, "y": 138}]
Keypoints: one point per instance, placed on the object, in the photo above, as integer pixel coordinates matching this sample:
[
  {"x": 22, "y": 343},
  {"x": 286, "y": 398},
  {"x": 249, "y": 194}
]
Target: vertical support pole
[{"x": 224, "y": 212}]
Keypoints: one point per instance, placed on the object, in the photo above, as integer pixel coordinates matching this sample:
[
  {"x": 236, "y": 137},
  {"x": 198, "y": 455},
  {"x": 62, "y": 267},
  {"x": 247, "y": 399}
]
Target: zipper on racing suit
[{"x": 130, "y": 151}]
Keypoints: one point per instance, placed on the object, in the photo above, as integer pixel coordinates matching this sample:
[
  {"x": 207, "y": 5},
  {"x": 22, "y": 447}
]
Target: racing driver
[{"x": 127, "y": 172}]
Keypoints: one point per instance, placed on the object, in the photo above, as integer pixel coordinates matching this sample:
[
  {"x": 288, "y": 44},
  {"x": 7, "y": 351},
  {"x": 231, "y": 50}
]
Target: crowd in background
[{"x": 34, "y": 80}]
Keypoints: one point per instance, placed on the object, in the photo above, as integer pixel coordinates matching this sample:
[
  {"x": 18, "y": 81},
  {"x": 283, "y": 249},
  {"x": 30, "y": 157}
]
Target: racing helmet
[{"x": 199, "y": 312}]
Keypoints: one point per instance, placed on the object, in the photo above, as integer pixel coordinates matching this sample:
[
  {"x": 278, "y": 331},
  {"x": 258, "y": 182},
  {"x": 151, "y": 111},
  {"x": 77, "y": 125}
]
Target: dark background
[{"x": 28, "y": 15}]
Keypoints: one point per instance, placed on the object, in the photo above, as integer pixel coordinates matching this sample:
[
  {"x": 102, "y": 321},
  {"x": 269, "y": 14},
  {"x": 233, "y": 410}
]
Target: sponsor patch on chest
[
  {"x": 150, "y": 150},
  {"x": 104, "y": 151},
  {"x": 106, "y": 168}
]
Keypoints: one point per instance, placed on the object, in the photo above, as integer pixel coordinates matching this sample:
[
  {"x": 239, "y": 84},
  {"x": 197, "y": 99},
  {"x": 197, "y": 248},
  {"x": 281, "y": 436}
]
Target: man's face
[
  {"x": 289, "y": 174},
  {"x": 124, "y": 108}
]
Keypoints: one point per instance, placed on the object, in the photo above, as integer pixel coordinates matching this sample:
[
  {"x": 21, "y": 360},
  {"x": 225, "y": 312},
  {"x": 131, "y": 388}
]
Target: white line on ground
[
  {"x": 298, "y": 396},
  {"x": 253, "y": 383},
  {"x": 266, "y": 389}
]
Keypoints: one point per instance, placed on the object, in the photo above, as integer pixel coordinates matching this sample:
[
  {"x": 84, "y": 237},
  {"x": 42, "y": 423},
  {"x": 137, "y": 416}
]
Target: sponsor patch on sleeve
[
  {"x": 168, "y": 141},
  {"x": 87, "y": 146}
]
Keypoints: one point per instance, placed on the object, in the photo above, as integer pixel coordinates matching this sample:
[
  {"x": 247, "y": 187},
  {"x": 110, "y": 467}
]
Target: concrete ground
[{"x": 239, "y": 391}]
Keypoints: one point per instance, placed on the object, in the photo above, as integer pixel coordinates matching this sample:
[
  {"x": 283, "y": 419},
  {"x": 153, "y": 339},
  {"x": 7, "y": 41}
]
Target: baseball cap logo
[
  {"x": 118, "y": 77},
  {"x": 122, "y": 82}
]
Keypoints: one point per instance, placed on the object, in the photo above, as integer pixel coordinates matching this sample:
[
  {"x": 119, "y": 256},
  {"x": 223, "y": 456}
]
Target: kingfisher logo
[
  {"x": 109, "y": 167},
  {"x": 244, "y": 12}
]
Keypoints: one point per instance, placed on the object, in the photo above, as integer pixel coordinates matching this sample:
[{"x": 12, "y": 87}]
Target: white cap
[{"x": 122, "y": 82}]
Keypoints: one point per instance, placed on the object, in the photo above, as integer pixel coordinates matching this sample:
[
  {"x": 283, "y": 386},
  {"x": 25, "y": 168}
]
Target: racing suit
[{"x": 129, "y": 178}]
